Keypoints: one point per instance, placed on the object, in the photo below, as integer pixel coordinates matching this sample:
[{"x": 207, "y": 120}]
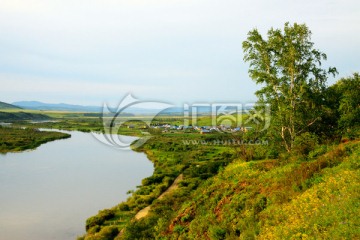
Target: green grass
[
  {"x": 18, "y": 139},
  {"x": 318, "y": 199}
]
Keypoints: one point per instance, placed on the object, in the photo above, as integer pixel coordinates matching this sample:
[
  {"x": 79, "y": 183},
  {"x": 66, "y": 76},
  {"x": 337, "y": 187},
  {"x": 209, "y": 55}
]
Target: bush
[
  {"x": 109, "y": 232},
  {"x": 305, "y": 143},
  {"x": 94, "y": 229},
  {"x": 318, "y": 151},
  {"x": 217, "y": 233},
  {"x": 100, "y": 218},
  {"x": 179, "y": 229},
  {"x": 142, "y": 229},
  {"x": 124, "y": 207},
  {"x": 260, "y": 204},
  {"x": 154, "y": 179}
]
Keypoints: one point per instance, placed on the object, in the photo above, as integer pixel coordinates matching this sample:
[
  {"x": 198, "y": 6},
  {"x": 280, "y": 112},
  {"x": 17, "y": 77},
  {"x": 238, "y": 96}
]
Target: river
[{"x": 49, "y": 192}]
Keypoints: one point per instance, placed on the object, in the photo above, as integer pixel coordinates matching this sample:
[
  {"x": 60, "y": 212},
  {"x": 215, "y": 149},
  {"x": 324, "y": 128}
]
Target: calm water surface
[{"x": 48, "y": 193}]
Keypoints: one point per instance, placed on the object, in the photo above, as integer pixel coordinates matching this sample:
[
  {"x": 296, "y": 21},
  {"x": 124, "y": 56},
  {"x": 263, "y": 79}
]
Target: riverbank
[
  {"x": 189, "y": 164},
  {"x": 221, "y": 195},
  {"x": 145, "y": 211},
  {"x": 19, "y": 139}
]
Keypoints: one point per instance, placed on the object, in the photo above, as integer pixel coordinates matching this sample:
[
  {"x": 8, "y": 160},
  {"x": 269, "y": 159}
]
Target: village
[{"x": 168, "y": 128}]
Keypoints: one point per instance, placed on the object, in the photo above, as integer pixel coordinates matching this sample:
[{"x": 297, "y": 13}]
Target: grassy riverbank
[
  {"x": 18, "y": 139},
  {"x": 222, "y": 196}
]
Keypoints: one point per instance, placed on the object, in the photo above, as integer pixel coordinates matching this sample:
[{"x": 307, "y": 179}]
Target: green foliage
[
  {"x": 217, "y": 233},
  {"x": 109, "y": 232},
  {"x": 179, "y": 229},
  {"x": 79, "y": 124},
  {"x": 289, "y": 68},
  {"x": 104, "y": 233},
  {"x": 18, "y": 139},
  {"x": 100, "y": 218},
  {"x": 318, "y": 151},
  {"x": 305, "y": 143},
  {"x": 347, "y": 92},
  {"x": 21, "y": 116},
  {"x": 329, "y": 209},
  {"x": 123, "y": 207},
  {"x": 239, "y": 202},
  {"x": 142, "y": 229}
]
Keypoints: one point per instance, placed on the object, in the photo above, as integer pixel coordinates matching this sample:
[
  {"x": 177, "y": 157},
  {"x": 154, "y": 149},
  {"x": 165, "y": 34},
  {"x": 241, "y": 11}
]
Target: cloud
[
  {"x": 16, "y": 86},
  {"x": 168, "y": 48}
]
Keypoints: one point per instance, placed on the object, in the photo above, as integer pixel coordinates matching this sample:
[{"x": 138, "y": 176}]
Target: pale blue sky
[{"x": 179, "y": 51}]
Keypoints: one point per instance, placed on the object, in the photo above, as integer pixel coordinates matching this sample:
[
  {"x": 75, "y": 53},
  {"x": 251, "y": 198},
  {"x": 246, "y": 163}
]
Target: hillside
[
  {"x": 230, "y": 198},
  {"x": 4, "y": 105},
  {"x": 317, "y": 199},
  {"x": 21, "y": 116}
]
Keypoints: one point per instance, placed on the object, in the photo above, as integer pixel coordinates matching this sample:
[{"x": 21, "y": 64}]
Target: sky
[{"x": 178, "y": 51}]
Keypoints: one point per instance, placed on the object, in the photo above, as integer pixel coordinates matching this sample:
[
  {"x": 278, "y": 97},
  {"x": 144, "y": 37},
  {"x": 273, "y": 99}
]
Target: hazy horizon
[{"x": 87, "y": 53}]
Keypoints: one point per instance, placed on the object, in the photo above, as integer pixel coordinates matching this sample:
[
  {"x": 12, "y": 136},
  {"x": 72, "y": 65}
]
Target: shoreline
[
  {"x": 125, "y": 211},
  {"x": 34, "y": 138}
]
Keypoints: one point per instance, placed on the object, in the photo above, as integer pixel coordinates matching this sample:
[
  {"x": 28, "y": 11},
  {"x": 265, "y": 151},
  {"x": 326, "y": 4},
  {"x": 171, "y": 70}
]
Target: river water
[{"x": 49, "y": 192}]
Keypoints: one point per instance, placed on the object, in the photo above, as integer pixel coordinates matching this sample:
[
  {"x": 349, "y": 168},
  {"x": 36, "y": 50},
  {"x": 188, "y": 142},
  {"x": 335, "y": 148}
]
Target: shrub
[
  {"x": 109, "y": 232},
  {"x": 179, "y": 229},
  {"x": 94, "y": 229},
  {"x": 217, "y": 233},
  {"x": 305, "y": 143},
  {"x": 260, "y": 204},
  {"x": 100, "y": 218},
  {"x": 318, "y": 151},
  {"x": 124, "y": 207}
]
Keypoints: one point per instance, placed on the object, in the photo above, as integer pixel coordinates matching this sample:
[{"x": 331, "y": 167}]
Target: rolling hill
[
  {"x": 4, "y": 105},
  {"x": 35, "y": 105},
  {"x": 22, "y": 116}
]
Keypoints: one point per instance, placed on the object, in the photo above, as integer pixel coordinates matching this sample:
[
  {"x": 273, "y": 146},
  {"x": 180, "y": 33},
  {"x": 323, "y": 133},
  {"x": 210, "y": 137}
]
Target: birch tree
[{"x": 288, "y": 68}]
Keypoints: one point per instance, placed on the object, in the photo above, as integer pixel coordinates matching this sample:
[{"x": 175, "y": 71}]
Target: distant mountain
[
  {"x": 35, "y": 105},
  {"x": 176, "y": 111},
  {"x": 4, "y": 105}
]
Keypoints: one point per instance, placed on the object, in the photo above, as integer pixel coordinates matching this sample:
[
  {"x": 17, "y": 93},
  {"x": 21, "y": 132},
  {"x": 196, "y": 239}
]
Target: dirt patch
[{"x": 145, "y": 211}]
